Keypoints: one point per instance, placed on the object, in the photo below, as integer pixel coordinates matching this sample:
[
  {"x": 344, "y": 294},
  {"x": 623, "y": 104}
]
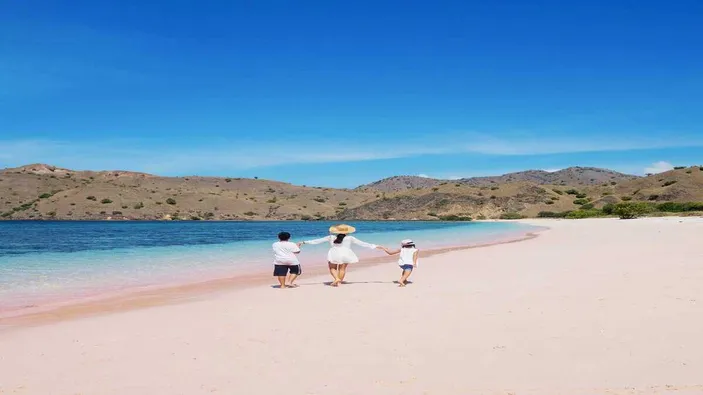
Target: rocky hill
[
  {"x": 570, "y": 176},
  {"x": 46, "y": 192},
  {"x": 459, "y": 199}
]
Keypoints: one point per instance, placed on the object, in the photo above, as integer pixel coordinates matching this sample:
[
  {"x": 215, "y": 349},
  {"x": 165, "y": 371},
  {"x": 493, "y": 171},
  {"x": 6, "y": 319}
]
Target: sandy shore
[{"x": 588, "y": 307}]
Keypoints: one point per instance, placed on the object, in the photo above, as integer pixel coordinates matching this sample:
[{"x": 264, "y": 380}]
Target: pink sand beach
[{"x": 598, "y": 306}]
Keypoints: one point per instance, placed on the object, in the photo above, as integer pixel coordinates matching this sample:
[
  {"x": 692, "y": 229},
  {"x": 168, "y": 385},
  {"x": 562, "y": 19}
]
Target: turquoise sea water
[{"x": 44, "y": 262}]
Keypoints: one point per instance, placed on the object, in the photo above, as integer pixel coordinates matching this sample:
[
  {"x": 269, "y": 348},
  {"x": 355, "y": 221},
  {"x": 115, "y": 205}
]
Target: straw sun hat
[{"x": 342, "y": 228}]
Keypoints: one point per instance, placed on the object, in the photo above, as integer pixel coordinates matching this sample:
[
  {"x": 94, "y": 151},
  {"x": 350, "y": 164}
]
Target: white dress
[{"x": 341, "y": 253}]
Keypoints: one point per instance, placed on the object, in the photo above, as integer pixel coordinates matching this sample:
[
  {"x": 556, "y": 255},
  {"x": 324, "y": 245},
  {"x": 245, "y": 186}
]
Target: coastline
[{"x": 160, "y": 295}]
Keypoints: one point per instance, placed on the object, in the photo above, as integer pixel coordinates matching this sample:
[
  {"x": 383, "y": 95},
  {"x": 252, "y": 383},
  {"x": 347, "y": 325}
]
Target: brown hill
[
  {"x": 574, "y": 176},
  {"x": 456, "y": 199},
  {"x": 46, "y": 192}
]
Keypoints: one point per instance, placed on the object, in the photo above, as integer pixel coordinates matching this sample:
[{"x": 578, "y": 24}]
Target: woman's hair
[{"x": 339, "y": 238}]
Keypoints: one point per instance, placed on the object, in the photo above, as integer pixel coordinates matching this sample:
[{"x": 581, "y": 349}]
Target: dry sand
[{"x": 588, "y": 307}]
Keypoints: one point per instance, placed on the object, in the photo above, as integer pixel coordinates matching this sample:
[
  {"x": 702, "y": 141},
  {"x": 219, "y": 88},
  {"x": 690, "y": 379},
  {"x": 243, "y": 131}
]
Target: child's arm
[
  {"x": 416, "y": 255},
  {"x": 391, "y": 252}
]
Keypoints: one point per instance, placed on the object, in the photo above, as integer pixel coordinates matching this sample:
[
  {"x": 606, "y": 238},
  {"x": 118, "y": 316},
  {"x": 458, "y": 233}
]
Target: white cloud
[
  {"x": 218, "y": 157},
  {"x": 423, "y": 175},
  {"x": 658, "y": 167},
  {"x": 551, "y": 170}
]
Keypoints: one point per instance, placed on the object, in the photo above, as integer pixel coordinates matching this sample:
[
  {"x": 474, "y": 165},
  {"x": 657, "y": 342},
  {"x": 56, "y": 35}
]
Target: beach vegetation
[
  {"x": 653, "y": 197},
  {"x": 572, "y": 192},
  {"x": 342, "y": 203},
  {"x": 250, "y": 213},
  {"x": 613, "y": 183},
  {"x": 453, "y": 217},
  {"x": 45, "y": 196},
  {"x": 673, "y": 207},
  {"x": 272, "y": 200},
  {"x": 194, "y": 218},
  {"x": 580, "y": 201},
  {"x": 138, "y": 206},
  {"x": 106, "y": 201},
  {"x": 432, "y": 214},
  {"x": 558, "y": 191},
  {"x": 511, "y": 216},
  {"x": 552, "y": 214},
  {"x": 626, "y": 198},
  {"x": 91, "y": 198},
  {"x": 159, "y": 203},
  {"x": 305, "y": 218},
  {"x": 320, "y": 199},
  {"x": 117, "y": 213},
  {"x": 587, "y": 206},
  {"x": 580, "y": 214},
  {"x": 679, "y": 167},
  {"x": 549, "y": 202},
  {"x": 671, "y": 182},
  {"x": 581, "y": 196},
  {"x": 630, "y": 210},
  {"x": 228, "y": 180},
  {"x": 481, "y": 217},
  {"x": 494, "y": 188},
  {"x": 171, "y": 201}
]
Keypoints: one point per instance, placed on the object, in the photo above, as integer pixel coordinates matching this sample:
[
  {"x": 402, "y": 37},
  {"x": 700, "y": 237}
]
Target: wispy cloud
[
  {"x": 658, "y": 167},
  {"x": 157, "y": 157}
]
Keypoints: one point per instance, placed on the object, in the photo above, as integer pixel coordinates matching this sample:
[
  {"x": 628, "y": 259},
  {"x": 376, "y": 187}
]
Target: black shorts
[{"x": 282, "y": 270}]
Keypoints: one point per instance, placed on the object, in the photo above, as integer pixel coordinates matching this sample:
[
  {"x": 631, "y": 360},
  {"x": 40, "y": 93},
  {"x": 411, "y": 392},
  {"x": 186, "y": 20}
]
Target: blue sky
[{"x": 343, "y": 93}]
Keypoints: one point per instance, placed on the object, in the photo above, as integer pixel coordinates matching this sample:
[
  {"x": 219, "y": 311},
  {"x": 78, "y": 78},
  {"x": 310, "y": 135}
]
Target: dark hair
[
  {"x": 339, "y": 238},
  {"x": 284, "y": 236},
  {"x": 408, "y": 245}
]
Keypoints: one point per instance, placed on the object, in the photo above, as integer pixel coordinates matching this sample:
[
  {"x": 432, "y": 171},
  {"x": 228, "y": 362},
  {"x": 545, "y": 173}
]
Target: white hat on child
[{"x": 406, "y": 242}]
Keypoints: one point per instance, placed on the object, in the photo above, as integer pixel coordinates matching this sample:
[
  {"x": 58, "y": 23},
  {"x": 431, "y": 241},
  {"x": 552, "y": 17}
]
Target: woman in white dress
[{"x": 340, "y": 254}]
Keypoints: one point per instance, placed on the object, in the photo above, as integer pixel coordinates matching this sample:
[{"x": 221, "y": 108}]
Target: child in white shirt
[
  {"x": 285, "y": 260},
  {"x": 407, "y": 261}
]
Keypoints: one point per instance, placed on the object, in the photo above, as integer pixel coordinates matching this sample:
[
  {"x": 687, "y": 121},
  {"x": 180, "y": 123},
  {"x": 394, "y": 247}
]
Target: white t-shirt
[
  {"x": 284, "y": 253},
  {"x": 406, "y": 256}
]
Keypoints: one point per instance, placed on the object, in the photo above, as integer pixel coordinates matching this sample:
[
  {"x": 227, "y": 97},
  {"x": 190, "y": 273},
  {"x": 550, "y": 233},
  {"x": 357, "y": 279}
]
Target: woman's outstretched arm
[{"x": 362, "y": 243}]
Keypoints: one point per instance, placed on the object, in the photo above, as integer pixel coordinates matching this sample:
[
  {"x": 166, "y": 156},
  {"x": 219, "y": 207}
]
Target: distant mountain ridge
[
  {"x": 569, "y": 176},
  {"x": 45, "y": 192}
]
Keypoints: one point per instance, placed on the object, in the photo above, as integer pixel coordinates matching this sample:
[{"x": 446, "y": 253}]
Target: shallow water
[{"x": 47, "y": 261}]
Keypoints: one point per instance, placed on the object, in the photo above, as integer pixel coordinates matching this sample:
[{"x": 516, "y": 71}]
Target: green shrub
[
  {"x": 139, "y": 206},
  {"x": 580, "y": 201},
  {"x": 272, "y": 200},
  {"x": 321, "y": 199},
  {"x": 511, "y": 216},
  {"x": 558, "y": 191},
  {"x": 626, "y": 198},
  {"x": 679, "y": 167},
  {"x": 653, "y": 197},
  {"x": 431, "y": 214},
  {"x": 228, "y": 180},
  {"x": 572, "y": 192},
  {"x": 159, "y": 203},
  {"x": 117, "y": 213},
  {"x": 452, "y": 217},
  {"x": 106, "y": 201},
  {"x": 45, "y": 196},
  {"x": 666, "y": 184},
  {"x": 552, "y": 214},
  {"x": 579, "y": 214},
  {"x": 194, "y": 218},
  {"x": 91, "y": 198},
  {"x": 613, "y": 183},
  {"x": 494, "y": 188},
  {"x": 342, "y": 203},
  {"x": 606, "y": 193},
  {"x": 171, "y": 201},
  {"x": 435, "y": 189},
  {"x": 549, "y": 202},
  {"x": 608, "y": 209},
  {"x": 689, "y": 171},
  {"x": 250, "y": 213},
  {"x": 672, "y": 207},
  {"x": 51, "y": 213},
  {"x": 306, "y": 218},
  {"x": 587, "y": 206},
  {"x": 581, "y": 196},
  {"x": 555, "y": 198},
  {"x": 630, "y": 210}
]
